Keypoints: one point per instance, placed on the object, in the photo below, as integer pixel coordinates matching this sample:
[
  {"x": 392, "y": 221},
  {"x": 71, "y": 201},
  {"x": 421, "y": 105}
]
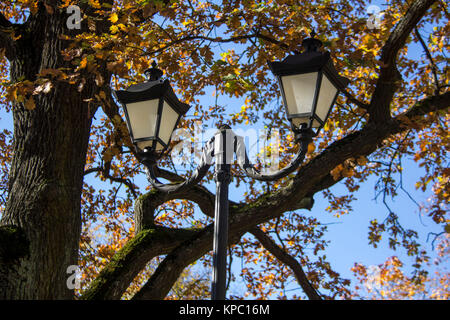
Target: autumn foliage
[{"x": 215, "y": 54}]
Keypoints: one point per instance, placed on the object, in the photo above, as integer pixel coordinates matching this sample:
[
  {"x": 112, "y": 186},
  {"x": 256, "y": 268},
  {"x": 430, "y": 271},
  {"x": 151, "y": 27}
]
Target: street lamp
[
  {"x": 152, "y": 111},
  {"x": 309, "y": 84}
]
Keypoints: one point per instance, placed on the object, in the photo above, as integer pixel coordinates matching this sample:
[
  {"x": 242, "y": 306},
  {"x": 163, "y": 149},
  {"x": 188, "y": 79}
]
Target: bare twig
[
  {"x": 355, "y": 101},
  {"x": 105, "y": 172},
  {"x": 433, "y": 65}
]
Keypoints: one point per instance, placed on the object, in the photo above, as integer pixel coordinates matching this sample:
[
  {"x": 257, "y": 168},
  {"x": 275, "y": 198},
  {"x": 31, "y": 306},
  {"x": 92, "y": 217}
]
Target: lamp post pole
[{"x": 222, "y": 177}]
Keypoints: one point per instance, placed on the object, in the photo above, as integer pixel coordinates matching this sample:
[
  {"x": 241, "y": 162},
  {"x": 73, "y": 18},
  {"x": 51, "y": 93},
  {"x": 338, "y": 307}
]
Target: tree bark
[{"x": 46, "y": 176}]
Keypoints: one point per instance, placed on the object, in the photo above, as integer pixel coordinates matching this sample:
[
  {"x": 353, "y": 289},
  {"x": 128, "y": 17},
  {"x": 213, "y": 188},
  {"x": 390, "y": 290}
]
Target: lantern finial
[
  {"x": 153, "y": 73},
  {"x": 311, "y": 44}
]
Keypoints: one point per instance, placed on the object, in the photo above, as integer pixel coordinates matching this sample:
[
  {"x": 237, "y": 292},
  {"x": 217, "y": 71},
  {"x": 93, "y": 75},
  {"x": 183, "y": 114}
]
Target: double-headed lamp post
[{"x": 309, "y": 85}]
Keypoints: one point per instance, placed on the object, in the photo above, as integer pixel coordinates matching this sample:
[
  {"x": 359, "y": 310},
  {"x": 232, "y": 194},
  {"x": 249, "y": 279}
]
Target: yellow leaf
[
  {"x": 12, "y": 95},
  {"x": 95, "y": 4},
  {"x": 98, "y": 45},
  {"x": 114, "y": 29},
  {"x": 114, "y": 18}
]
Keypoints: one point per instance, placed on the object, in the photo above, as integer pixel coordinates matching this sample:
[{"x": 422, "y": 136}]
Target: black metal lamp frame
[
  {"x": 153, "y": 89},
  {"x": 311, "y": 60}
]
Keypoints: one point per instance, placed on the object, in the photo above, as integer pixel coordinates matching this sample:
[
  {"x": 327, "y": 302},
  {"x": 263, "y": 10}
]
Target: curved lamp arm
[
  {"x": 303, "y": 136},
  {"x": 149, "y": 162}
]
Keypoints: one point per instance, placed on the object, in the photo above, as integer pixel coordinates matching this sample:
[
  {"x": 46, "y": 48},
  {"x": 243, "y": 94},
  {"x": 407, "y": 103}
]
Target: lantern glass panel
[
  {"x": 143, "y": 116},
  {"x": 144, "y": 144},
  {"x": 299, "y": 93},
  {"x": 298, "y": 121},
  {"x": 168, "y": 122},
  {"x": 326, "y": 96}
]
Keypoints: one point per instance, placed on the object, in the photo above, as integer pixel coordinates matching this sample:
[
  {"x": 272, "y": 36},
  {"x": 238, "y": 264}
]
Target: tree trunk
[{"x": 46, "y": 176}]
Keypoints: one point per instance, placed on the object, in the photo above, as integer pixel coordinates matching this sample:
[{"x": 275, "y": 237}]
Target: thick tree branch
[
  {"x": 151, "y": 240},
  {"x": 403, "y": 29},
  {"x": 168, "y": 175},
  {"x": 427, "y": 105},
  {"x": 147, "y": 204},
  {"x": 128, "y": 261},
  {"x": 7, "y": 33},
  {"x": 389, "y": 76},
  {"x": 186, "y": 253},
  {"x": 168, "y": 271},
  {"x": 288, "y": 260},
  {"x": 355, "y": 101}
]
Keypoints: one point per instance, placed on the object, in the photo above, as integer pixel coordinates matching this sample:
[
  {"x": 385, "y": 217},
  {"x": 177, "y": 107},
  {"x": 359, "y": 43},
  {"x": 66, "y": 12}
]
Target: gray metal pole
[{"x": 222, "y": 178}]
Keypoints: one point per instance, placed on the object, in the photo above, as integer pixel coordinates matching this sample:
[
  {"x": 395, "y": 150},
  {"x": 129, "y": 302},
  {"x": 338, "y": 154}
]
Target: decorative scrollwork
[
  {"x": 304, "y": 137},
  {"x": 205, "y": 163}
]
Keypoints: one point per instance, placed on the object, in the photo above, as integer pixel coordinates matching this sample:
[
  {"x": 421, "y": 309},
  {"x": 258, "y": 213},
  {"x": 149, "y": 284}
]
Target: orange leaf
[
  {"x": 362, "y": 160},
  {"x": 29, "y": 104},
  {"x": 336, "y": 172},
  {"x": 83, "y": 63}
]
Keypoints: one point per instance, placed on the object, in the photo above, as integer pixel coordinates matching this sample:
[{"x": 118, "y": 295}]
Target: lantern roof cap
[
  {"x": 150, "y": 90},
  {"x": 153, "y": 73},
  {"x": 310, "y": 60}
]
